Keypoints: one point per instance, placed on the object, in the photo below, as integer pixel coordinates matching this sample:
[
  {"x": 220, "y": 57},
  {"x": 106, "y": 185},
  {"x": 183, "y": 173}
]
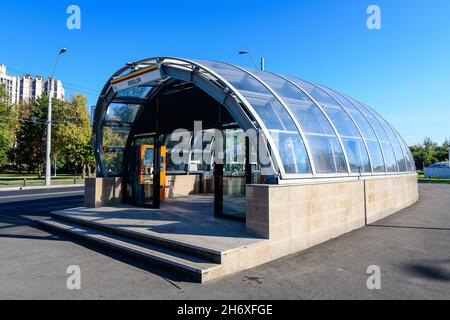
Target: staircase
[{"x": 195, "y": 263}]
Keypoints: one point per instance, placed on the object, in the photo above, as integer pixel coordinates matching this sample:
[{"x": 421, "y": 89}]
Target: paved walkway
[{"x": 412, "y": 248}]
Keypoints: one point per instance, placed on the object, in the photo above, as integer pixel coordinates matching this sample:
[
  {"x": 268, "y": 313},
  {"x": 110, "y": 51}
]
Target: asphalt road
[
  {"x": 412, "y": 249},
  {"x": 19, "y": 197}
]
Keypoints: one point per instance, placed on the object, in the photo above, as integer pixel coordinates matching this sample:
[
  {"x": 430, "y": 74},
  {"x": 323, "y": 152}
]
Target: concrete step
[
  {"x": 151, "y": 239},
  {"x": 194, "y": 268}
]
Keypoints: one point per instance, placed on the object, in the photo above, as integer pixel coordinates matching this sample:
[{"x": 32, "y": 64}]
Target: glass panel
[
  {"x": 266, "y": 105},
  {"x": 114, "y": 142},
  {"x": 135, "y": 92},
  {"x": 411, "y": 158},
  {"x": 175, "y": 166},
  {"x": 113, "y": 162},
  {"x": 408, "y": 164},
  {"x": 122, "y": 112},
  {"x": 363, "y": 125},
  {"x": 327, "y": 154},
  {"x": 294, "y": 157},
  {"x": 399, "y": 155},
  {"x": 178, "y": 151},
  {"x": 357, "y": 155},
  {"x": 362, "y": 122},
  {"x": 368, "y": 132},
  {"x": 234, "y": 198},
  {"x": 355, "y": 149},
  {"x": 376, "y": 156},
  {"x": 234, "y": 152},
  {"x": 234, "y": 177},
  {"x": 310, "y": 118},
  {"x": 272, "y": 113},
  {"x": 389, "y": 157},
  {"x": 388, "y": 151},
  {"x": 401, "y": 160},
  {"x": 115, "y": 137},
  {"x": 198, "y": 158},
  {"x": 146, "y": 176},
  {"x": 382, "y": 136},
  {"x": 342, "y": 122},
  {"x": 316, "y": 93}
]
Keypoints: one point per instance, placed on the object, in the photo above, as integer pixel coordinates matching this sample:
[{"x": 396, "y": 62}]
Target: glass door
[
  {"x": 148, "y": 174},
  {"x": 232, "y": 177}
]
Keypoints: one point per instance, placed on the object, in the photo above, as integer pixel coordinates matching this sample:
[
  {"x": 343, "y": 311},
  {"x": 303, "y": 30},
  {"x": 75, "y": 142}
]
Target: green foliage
[
  {"x": 31, "y": 136},
  {"x": 114, "y": 139},
  {"x": 429, "y": 153},
  {"x": 71, "y": 136},
  {"x": 6, "y": 126}
]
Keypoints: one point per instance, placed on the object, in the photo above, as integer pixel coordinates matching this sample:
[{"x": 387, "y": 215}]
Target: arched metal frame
[
  {"x": 376, "y": 116},
  {"x": 356, "y": 125},
  {"x": 401, "y": 142},
  {"x": 211, "y": 81},
  {"x": 311, "y": 161},
  {"x": 373, "y": 129},
  {"x": 317, "y": 104}
]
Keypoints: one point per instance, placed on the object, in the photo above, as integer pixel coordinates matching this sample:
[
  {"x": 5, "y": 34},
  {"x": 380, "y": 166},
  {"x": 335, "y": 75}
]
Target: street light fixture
[
  {"x": 48, "y": 164},
  {"x": 262, "y": 64}
]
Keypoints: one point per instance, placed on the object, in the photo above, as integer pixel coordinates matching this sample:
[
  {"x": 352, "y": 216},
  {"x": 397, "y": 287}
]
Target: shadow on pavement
[{"x": 431, "y": 270}]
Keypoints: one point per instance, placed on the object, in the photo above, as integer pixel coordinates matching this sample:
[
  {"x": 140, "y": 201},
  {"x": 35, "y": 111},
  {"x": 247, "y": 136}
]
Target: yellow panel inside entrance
[{"x": 147, "y": 168}]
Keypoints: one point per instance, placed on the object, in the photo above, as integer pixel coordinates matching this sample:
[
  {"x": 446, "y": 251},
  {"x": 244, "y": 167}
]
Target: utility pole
[
  {"x": 262, "y": 65},
  {"x": 48, "y": 161}
]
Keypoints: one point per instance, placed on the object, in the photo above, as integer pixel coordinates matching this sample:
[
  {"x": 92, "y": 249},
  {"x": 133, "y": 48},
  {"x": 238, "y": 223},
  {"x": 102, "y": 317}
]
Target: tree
[
  {"x": 417, "y": 155},
  {"x": 429, "y": 152},
  {"x": 31, "y": 136},
  {"x": 7, "y": 126},
  {"x": 3, "y": 126},
  {"x": 73, "y": 135},
  {"x": 442, "y": 152},
  {"x": 446, "y": 144}
]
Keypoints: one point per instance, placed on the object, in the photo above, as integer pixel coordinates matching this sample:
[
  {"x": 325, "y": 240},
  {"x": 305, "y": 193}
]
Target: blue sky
[{"x": 402, "y": 71}]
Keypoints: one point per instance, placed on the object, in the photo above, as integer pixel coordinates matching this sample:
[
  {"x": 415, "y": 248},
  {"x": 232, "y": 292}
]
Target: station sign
[{"x": 137, "y": 78}]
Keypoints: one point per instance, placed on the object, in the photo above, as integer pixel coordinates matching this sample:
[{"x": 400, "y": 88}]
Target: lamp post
[
  {"x": 262, "y": 61},
  {"x": 48, "y": 163}
]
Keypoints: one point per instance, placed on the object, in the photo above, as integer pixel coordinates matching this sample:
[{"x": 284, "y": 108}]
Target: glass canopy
[{"x": 313, "y": 131}]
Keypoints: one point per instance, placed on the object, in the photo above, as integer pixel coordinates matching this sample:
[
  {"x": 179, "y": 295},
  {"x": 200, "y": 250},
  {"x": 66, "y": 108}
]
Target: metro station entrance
[
  {"x": 154, "y": 178},
  {"x": 185, "y": 145}
]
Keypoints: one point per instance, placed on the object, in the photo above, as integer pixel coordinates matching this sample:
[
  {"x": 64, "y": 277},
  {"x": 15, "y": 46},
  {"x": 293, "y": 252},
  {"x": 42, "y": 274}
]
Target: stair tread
[
  {"x": 148, "y": 234},
  {"x": 164, "y": 255}
]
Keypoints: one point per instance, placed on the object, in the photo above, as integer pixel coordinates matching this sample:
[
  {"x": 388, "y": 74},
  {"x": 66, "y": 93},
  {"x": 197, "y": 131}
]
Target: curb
[{"x": 80, "y": 186}]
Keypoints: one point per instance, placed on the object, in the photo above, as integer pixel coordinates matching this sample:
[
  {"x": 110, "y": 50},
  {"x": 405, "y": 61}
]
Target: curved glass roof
[{"x": 312, "y": 130}]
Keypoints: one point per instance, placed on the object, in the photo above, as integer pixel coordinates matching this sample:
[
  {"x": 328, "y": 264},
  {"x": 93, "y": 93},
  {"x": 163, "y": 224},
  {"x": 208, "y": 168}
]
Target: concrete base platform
[
  {"x": 183, "y": 235},
  {"x": 280, "y": 220}
]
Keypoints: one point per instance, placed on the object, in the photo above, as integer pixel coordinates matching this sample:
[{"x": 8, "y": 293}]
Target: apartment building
[{"x": 26, "y": 88}]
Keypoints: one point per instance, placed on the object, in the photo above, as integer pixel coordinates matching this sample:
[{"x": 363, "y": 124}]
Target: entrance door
[
  {"x": 151, "y": 180},
  {"x": 231, "y": 179}
]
